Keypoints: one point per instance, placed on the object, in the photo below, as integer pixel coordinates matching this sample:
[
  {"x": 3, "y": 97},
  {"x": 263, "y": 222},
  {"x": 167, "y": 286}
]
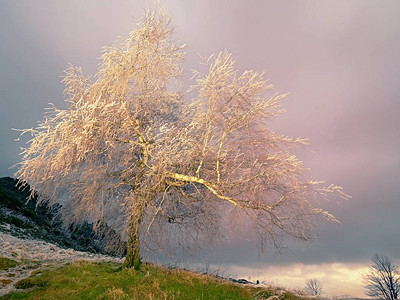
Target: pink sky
[{"x": 339, "y": 60}]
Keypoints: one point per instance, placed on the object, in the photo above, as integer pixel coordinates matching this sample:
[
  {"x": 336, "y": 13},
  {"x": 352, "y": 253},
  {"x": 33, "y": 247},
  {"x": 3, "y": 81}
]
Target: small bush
[
  {"x": 265, "y": 294},
  {"x": 25, "y": 283},
  {"x": 6, "y": 263},
  {"x": 4, "y": 282},
  {"x": 289, "y": 296},
  {"x": 29, "y": 282},
  {"x": 16, "y": 222}
]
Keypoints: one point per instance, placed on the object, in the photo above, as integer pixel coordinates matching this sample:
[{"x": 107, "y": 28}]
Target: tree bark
[{"x": 133, "y": 259}]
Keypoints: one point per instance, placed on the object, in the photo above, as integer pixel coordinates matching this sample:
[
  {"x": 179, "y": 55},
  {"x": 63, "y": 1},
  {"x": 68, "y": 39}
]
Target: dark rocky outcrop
[{"x": 26, "y": 219}]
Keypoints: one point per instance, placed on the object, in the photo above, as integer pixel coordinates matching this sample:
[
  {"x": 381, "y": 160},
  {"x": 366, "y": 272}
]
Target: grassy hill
[
  {"x": 97, "y": 280},
  {"x": 101, "y": 281}
]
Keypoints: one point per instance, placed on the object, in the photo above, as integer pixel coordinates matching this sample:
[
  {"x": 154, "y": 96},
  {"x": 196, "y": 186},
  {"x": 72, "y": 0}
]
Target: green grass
[{"x": 101, "y": 281}]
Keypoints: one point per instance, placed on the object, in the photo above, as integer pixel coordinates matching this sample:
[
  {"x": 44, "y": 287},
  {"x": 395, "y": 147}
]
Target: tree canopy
[{"x": 166, "y": 166}]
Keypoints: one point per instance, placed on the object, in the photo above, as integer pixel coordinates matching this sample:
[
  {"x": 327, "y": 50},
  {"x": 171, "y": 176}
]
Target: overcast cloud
[{"x": 339, "y": 59}]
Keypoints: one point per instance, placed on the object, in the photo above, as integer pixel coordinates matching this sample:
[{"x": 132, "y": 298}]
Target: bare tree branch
[
  {"x": 313, "y": 287},
  {"x": 382, "y": 279}
]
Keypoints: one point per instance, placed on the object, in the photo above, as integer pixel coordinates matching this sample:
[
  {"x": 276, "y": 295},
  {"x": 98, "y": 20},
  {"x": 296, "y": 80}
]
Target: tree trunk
[{"x": 133, "y": 259}]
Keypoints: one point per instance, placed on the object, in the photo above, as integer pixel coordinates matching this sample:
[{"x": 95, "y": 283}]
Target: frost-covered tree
[{"x": 164, "y": 166}]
